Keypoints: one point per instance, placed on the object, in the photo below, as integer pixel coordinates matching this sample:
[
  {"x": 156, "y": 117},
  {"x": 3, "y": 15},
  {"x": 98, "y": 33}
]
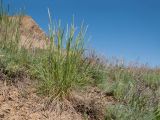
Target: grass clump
[
  {"x": 11, "y": 54},
  {"x": 137, "y": 107},
  {"x": 96, "y": 69},
  {"x": 62, "y": 67},
  {"x": 136, "y": 91}
]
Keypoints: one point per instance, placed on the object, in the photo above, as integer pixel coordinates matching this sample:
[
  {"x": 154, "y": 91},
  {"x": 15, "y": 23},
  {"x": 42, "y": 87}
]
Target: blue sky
[{"x": 128, "y": 29}]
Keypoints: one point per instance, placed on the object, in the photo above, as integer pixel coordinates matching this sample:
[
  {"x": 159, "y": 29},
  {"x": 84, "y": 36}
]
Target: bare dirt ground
[
  {"x": 19, "y": 101},
  {"x": 32, "y": 36}
]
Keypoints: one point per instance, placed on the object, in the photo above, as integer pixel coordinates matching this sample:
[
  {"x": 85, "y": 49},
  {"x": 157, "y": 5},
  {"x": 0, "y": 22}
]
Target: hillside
[
  {"x": 43, "y": 83},
  {"x": 19, "y": 98}
]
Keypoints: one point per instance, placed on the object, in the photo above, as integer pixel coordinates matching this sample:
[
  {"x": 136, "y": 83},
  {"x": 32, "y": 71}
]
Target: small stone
[
  {"x": 1, "y": 115},
  {"x": 9, "y": 98}
]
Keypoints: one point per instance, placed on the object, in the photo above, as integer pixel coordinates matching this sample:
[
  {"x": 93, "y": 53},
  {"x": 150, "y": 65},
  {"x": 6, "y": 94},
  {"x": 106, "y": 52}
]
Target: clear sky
[{"x": 128, "y": 29}]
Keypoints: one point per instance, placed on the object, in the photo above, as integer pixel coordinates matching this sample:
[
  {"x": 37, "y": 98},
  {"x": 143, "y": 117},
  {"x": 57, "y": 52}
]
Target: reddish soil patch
[{"x": 32, "y": 36}]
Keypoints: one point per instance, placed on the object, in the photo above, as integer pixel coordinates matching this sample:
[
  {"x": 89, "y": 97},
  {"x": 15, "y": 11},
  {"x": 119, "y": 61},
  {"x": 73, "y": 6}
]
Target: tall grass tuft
[{"x": 62, "y": 67}]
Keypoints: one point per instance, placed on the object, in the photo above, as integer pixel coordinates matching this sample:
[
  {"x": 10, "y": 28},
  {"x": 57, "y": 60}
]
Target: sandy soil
[
  {"x": 32, "y": 36},
  {"x": 19, "y": 101}
]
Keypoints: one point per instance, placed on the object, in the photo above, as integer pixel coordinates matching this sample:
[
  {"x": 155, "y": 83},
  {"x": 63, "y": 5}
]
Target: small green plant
[
  {"x": 157, "y": 112},
  {"x": 138, "y": 107},
  {"x": 96, "y": 68},
  {"x": 152, "y": 79},
  {"x": 136, "y": 89}
]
